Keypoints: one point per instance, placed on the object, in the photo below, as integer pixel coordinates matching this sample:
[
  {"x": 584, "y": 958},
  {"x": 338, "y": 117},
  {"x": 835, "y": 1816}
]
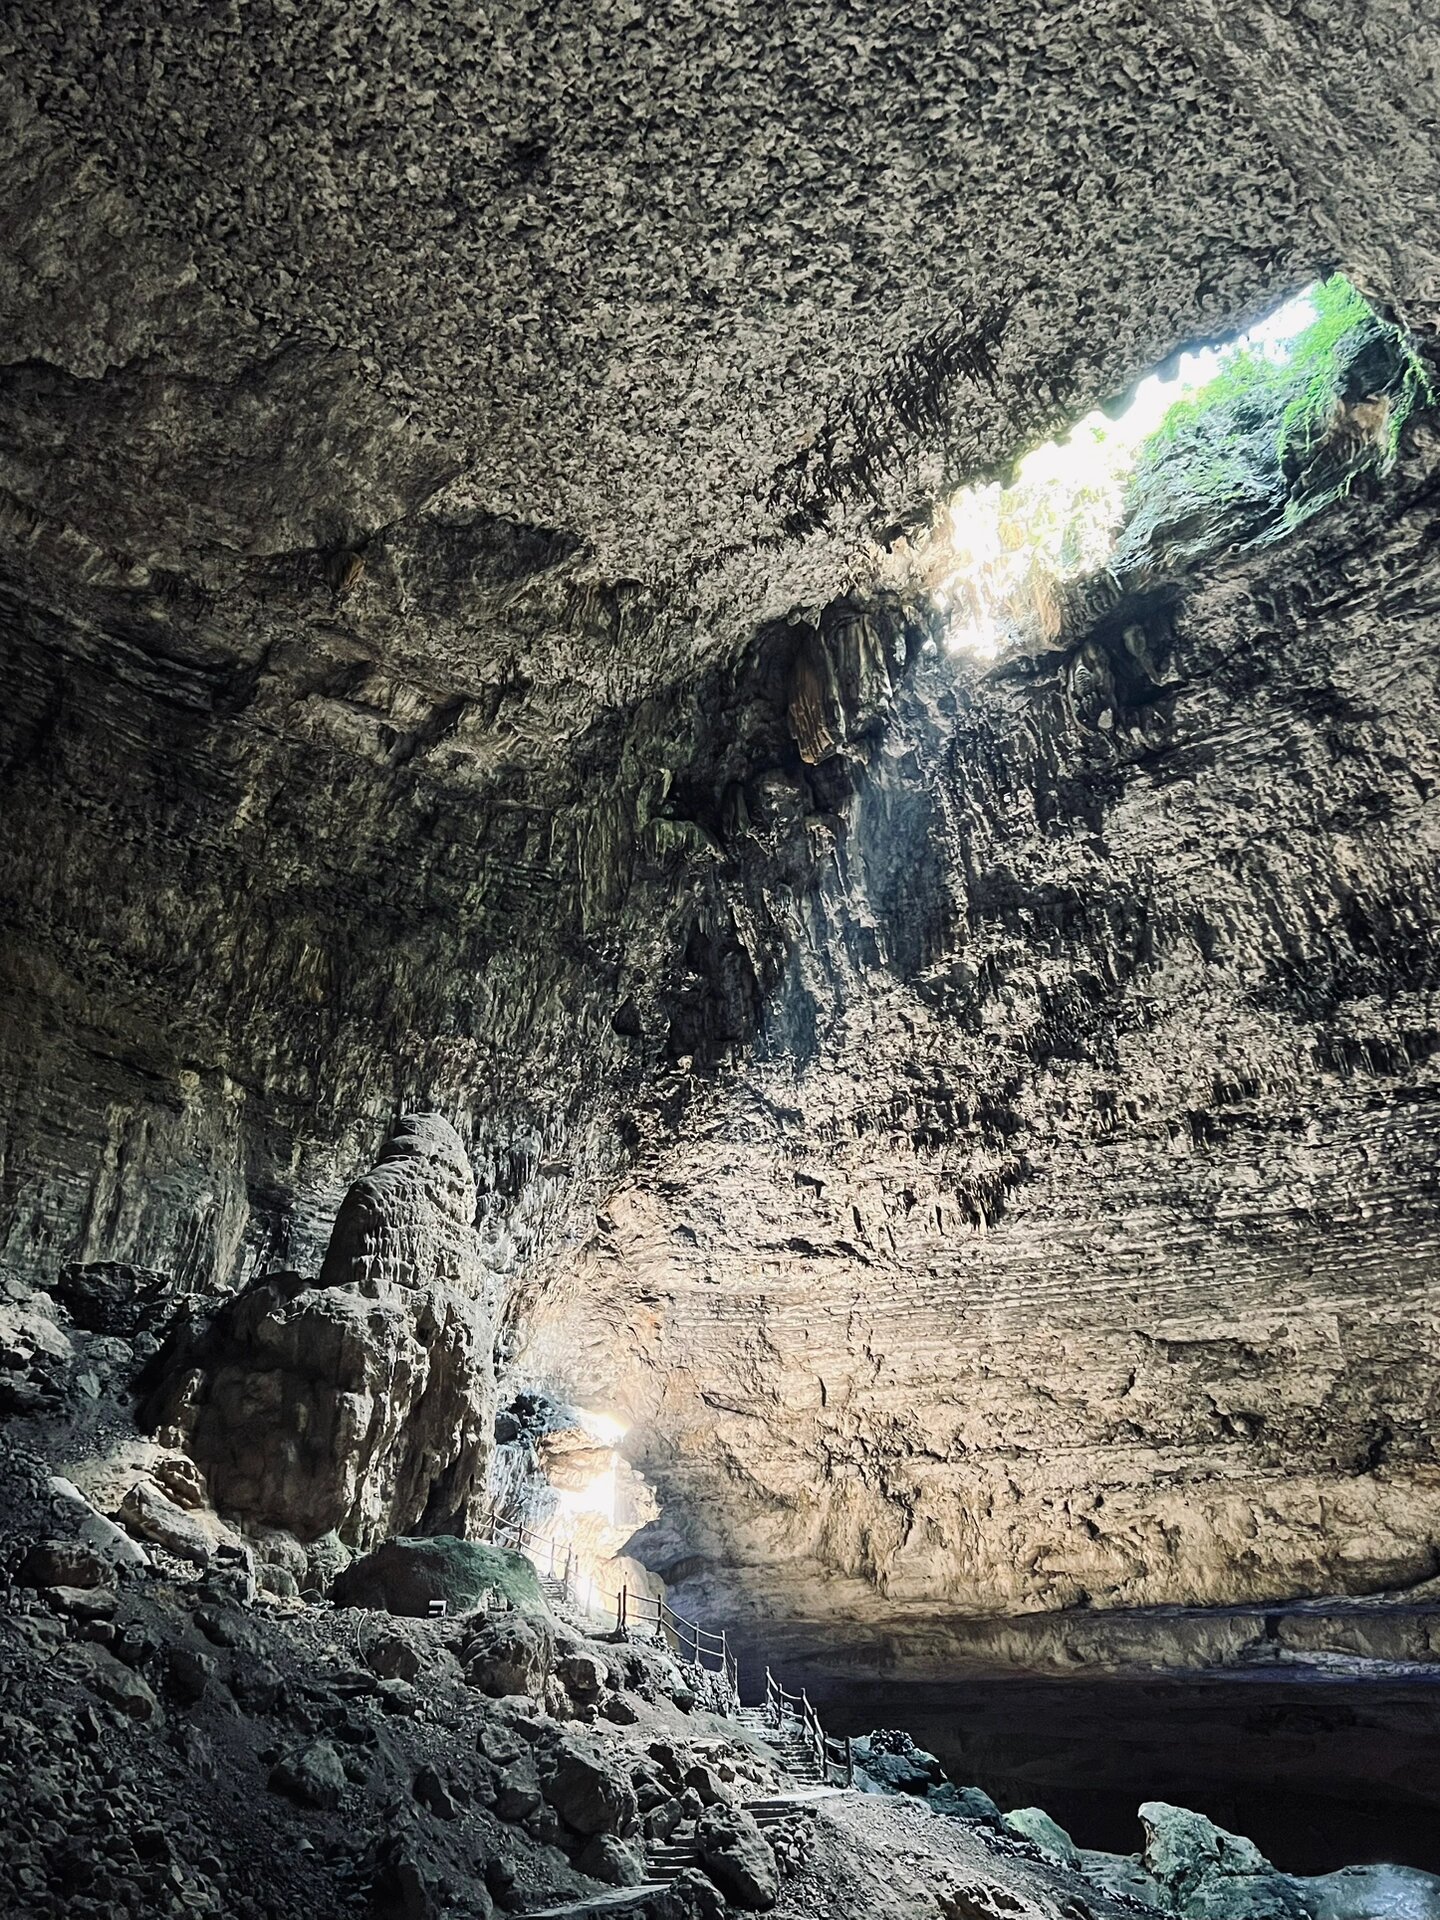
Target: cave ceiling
[{"x": 427, "y": 436}]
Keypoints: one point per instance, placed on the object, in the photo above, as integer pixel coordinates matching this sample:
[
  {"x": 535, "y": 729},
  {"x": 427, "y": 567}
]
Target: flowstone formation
[{"x": 363, "y": 1404}]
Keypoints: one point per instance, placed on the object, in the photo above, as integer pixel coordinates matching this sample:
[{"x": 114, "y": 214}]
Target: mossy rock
[{"x": 406, "y": 1576}]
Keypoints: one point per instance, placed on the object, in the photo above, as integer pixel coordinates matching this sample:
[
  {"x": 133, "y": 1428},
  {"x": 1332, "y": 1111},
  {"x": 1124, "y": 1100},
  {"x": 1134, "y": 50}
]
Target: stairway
[
  {"x": 666, "y": 1860},
  {"x": 563, "y": 1604},
  {"x": 789, "y": 1745}
]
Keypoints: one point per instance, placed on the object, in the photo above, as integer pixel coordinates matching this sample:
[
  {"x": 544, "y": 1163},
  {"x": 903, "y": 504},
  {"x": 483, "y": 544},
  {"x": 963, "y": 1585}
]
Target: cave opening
[{"x": 1230, "y": 445}]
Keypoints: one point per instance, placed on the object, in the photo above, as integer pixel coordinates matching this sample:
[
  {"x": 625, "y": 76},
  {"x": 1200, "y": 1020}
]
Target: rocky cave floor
[
  {"x": 168, "y": 1746},
  {"x": 177, "y": 1737}
]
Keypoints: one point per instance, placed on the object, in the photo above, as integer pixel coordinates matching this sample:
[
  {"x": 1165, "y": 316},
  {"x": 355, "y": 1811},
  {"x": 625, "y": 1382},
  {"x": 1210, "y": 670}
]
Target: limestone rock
[
  {"x": 603, "y": 1857},
  {"x": 1122, "y": 1873},
  {"x": 115, "y": 1683},
  {"x": 585, "y": 1674},
  {"x": 738, "y": 1858},
  {"x": 410, "y": 1221},
  {"x": 1209, "y": 1874},
  {"x": 1370, "y": 1893},
  {"x": 190, "y": 1672},
  {"x": 361, "y": 1406},
  {"x": 67, "y": 1563},
  {"x": 390, "y": 1652},
  {"x": 588, "y": 1794},
  {"x": 111, "y": 1542},
  {"x": 406, "y": 1576},
  {"x": 518, "y": 1794},
  {"x": 893, "y": 1762},
  {"x": 964, "y": 1803},
  {"x": 313, "y": 1774},
  {"x": 433, "y": 1793},
  {"x": 149, "y": 1514},
  {"x": 1035, "y": 1825}
]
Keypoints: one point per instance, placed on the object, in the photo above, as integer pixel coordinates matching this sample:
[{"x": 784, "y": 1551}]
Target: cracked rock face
[
  {"x": 454, "y": 478},
  {"x": 1068, "y": 1238}
]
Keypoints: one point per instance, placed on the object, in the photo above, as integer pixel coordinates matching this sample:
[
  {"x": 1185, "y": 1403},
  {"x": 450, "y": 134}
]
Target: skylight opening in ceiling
[{"x": 1243, "y": 442}]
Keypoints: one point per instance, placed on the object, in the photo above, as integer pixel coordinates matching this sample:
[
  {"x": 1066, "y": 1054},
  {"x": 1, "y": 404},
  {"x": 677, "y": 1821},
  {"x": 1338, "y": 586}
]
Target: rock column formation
[{"x": 364, "y": 1404}]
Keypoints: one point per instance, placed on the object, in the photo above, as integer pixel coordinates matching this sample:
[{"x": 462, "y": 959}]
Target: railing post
[{"x": 620, "y": 1614}]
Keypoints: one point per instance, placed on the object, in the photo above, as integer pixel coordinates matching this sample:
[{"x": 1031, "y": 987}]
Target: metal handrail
[{"x": 692, "y": 1644}]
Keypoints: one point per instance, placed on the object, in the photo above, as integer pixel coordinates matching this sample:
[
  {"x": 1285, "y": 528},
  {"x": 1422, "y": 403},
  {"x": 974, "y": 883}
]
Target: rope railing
[{"x": 834, "y": 1758}]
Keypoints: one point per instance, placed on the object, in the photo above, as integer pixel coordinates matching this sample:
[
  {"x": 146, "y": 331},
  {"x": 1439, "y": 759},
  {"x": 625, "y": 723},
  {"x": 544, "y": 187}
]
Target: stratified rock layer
[
  {"x": 451, "y": 477},
  {"x": 1070, "y": 1238}
]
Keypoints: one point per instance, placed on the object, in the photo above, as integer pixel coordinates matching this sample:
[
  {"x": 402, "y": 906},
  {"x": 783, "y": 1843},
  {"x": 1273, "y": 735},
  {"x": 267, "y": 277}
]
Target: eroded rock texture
[
  {"x": 362, "y": 1405},
  {"x": 1070, "y": 1237},
  {"x": 456, "y": 473}
]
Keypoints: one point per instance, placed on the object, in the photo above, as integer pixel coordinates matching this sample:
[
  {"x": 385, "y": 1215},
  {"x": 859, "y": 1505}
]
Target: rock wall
[
  {"x": 1069, "y": 1239},
  {"x": 448, "y": 520}
]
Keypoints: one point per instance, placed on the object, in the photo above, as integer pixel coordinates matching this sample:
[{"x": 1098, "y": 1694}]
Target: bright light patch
[
  {"x": 609, "y": 1431},
  {"x": 1010, "y": 547}
]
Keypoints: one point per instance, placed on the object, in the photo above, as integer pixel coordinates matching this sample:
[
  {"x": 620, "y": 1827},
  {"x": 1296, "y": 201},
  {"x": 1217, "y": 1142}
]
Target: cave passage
[{"x": 1320, "y": 1770}]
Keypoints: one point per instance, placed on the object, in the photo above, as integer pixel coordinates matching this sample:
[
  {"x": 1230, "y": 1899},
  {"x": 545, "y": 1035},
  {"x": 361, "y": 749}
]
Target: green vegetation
[
  {"x": 1286, "y": 420},
  {"x": 405, "y": 1576},
  {"x": 1299, "y": 389}
]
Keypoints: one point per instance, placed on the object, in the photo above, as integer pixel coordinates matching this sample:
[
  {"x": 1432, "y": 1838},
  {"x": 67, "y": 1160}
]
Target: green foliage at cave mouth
[
  {"x": 1241, "y": 445},
  {"x": 1347, "y": 385}
]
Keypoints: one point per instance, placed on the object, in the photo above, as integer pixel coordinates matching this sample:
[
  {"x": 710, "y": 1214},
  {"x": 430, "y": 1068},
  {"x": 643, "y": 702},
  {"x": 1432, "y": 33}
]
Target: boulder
[
  {"x": 1209, "y": 1874},
  {"x": 313, "y": 1774},
  {"x": 361, "y": 1405},
  {"x": 895, "y": 1764},
  {"x": 587, "y": 1794},
  {"x": 517, "y": 1793},
  {"x": 1036, "y": 1826},
  {"x": 390, "y": 1652},
  {"x": 65, "y": 1563},
  {"x": 603, "y": 1857},
  {"x": 738, "y": 1858},
  {"x": 433, "y": 1793},
  {"x": 113, "y": 1681},
  {"x": 584, "y": 1674},
  {"x": 691, "y": 1896},
  {"x": 110, "y": 1297},
  {"x": 964, "y": 1803},
  {"x": 406, "y": 1576},
  {"x": 84, "y": 1603},
  {"x": 180, "y": 1478},
  {"x": 705, "y": 1782},
  {"x": 1370, "y": 1893},
  {"x": 190, "y": 1672},
  {"x": 151, "y": 1515},
  {"x": 1122, "y": 1874},
  {"x": 111, "y": 1542},
  {"x": 508, "y": 1656}
]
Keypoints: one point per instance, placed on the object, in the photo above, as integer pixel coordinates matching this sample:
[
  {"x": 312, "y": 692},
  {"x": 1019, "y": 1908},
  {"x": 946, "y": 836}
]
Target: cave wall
[
  {"x": 428, "y": 446},
  {"x": 1069, "y": 1239}
]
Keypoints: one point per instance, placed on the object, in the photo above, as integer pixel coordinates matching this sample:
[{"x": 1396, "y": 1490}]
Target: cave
[{"x": 719, "y": 961}]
